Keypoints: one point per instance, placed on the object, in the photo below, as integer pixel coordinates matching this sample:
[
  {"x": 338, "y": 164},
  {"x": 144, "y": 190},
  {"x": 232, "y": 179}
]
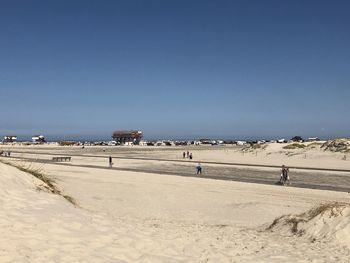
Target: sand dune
[{"x": 327, "y": 222}]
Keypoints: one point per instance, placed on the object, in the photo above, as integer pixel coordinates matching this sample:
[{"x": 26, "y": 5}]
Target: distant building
[
  {"x": 205, "y": 141},
  {"x": 9, "y": 139},
  {"x": 143, "y": 143},
  {"x": 297, "y": 139},
  {"x": 313, "y": 139},
  {"x": 127, "y": 137},
  {"x": 38, "y": 139},
  {"x": 241, "y": 143}
]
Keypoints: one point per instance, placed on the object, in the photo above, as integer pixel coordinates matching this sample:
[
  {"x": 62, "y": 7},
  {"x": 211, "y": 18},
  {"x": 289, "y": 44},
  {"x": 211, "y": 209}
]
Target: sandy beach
[
  {"x": 133, "y": 216},
  {"x": 175, "y": 131}
]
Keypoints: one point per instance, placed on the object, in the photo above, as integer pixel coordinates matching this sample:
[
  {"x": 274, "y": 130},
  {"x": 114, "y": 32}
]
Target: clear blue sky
[{"x": 175, "y": 68}]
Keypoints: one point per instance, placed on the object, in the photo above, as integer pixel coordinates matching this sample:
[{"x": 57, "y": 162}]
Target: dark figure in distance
[
  {"x": 284, "y": 175},
  {"x": 110, "y": 161},
  {"x": 198, "y": 169}
]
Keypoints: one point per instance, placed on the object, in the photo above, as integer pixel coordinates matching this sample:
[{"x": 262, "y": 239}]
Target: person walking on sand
[
  {"x": 110, "y": 161},
  {"x": 183, "y": 155},
  {"x": 188, "y": 154},
  {"x": 285, "y": 175},
  {"x": 198, "y": 169},
  {"x": 191, "y": 156}
]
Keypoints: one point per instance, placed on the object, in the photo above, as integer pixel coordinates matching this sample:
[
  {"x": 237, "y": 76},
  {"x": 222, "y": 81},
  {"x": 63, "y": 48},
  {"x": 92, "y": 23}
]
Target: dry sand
[{"x": 137, "y": 217}]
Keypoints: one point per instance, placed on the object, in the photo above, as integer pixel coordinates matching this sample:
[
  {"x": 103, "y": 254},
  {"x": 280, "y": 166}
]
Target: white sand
[{"x": 137, "y": 217}]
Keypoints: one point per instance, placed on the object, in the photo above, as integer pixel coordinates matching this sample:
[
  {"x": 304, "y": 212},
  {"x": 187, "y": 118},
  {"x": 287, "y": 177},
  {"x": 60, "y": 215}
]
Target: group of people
[
  {"x": 6, "y": 154},
  {"x": 187, "y": 155},
  {"x": 284, "y": 178}
]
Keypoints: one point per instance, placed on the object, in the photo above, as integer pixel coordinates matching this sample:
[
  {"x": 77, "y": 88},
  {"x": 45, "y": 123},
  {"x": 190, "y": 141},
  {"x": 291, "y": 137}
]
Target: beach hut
[
  {"x": 313, "y": 139},
  {"x": 9, "y": 139},
  {"x": 38, "y": 139}
]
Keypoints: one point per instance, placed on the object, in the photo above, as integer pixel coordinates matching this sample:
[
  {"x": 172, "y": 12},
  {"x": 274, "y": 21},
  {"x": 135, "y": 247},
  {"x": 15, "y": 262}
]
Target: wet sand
[{"x": 125, "y": 159}]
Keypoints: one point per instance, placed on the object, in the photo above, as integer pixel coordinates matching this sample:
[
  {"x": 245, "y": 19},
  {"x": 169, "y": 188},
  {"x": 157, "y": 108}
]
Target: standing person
[
  {"x": 199, "y": 169},
  {"x": 110, "y": 161},
  {"x": 184, "y": 155},
  {"x": 284, "y": 174},
  {"x": 188, "y": 154},
  {"x": 191, "y": 156}
]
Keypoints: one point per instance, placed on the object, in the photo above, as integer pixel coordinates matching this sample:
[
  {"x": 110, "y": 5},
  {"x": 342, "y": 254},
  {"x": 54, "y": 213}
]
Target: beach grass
[
  {"x": 38, "y": 173},
  {"x": 293, "y": 221}
]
